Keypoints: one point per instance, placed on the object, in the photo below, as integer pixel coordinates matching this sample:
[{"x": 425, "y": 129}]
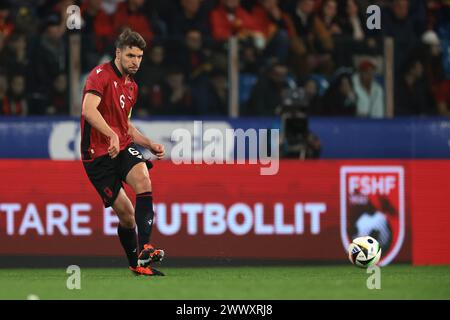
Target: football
[{"x": 364, "y": 252}]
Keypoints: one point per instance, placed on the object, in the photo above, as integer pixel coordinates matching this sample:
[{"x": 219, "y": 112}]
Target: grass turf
[{"x": 302, "y": 282}]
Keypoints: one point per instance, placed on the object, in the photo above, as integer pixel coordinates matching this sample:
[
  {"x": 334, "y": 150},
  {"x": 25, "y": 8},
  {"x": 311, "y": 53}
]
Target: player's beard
[{"x": 129, "y": 71}]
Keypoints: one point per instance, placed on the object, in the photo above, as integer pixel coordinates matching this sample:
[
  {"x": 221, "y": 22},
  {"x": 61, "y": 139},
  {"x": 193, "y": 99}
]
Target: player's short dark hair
[{"x": 130, "y": 38}]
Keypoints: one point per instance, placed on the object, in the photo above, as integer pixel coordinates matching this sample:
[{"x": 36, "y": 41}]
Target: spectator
[
  {"x": 340, "y": 98},
  {"x": 153, "y": 68},
  {"x": 6, "y": 25},
  {"x": 192, "y": 57},
  {"x": 51, "y": 53},
  {"x": 150, "y": 79},
  {"x": 433, "y": 7},
  {"x": 178, "y": 97},
  {"x": 97, "y": 34},
  {"x": 173, "y": 97},
  {"x": 328, "y": 16},
  {"x": 355, "y": 38},
  {"x": 157, "y": 13},
  {"x": 418, "y": 14},
  {"x": 412, "y": 95},
  {"x": 50, "y": 61},
  {"x": 213, "y": 99},
  {"x": 14, "y": 57},
  {"x": 351, "y": 21},
  {"x": 153, "y": 102},
  {"x": 219, "y": 103},
  {"x": 276, "y": 27},
  {"x": 26, "y": 20},
  {"x": 58, "y": 8},
  {"x": 434, "y": 72},
  {"x": 312, "y": 96},
  {"x": 431, "y": 53},
  {"x": 17, "y": 101},
  {"x": 219, "y": 58},
  {"x": 130, "y": 14},
  {"x": 58, "y": 103},
  {"x": 314, "y": 36},
  {"x": 160, "y": 14},
  {"x": 312, "y": 43},
  {"x": 230, "y": 19},
  {"x": 4, "y": 106},
  {"x": 443, "y": 18},
  {"x": 191, "y": 16},
  {"x": 369, "y": 94},
  {"x": 266, "y": 95},
  {"x": 398, "y": 24},
  {"x": 249, "y": 61},
  {"x": 442, "y": 97}
]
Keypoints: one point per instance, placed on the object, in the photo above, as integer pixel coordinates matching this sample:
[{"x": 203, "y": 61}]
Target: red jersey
[
  {"x": 267, "y": 26},
  {"x": 224, "y": 25},
  {"x": 118, "y": 98}
]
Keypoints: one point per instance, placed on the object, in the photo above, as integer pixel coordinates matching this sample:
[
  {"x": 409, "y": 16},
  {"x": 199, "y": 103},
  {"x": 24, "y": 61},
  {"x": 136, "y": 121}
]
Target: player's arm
[
  {"x": 138, "y": 138},
  {"x": 95, "y": 119}
]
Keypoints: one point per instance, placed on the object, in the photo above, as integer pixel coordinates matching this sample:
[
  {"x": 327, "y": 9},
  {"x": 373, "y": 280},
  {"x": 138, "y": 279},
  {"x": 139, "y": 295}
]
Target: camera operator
[{"x": 297, "y": 141}]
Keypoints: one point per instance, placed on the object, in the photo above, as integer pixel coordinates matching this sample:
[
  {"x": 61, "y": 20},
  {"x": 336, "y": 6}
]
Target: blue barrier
[
  {"x": 341, "y": 138},
  {"x": 405, "y": 138}
]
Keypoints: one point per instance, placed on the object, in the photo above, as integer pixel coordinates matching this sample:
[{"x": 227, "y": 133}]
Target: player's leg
[
  {"x": 127, "y": 227},
  {"x": 139, "y": 180},
  {"x": 135, "y": 174},
  {"x": 127, "y": 234}
]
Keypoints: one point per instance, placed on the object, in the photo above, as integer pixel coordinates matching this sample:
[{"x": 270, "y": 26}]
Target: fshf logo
[{"x": 373, "y": 204}]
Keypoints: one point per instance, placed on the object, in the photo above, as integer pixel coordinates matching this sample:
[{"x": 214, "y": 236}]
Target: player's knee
[
  {"x": 143, "y": 184},
  {"x": 127, "y": 221}
]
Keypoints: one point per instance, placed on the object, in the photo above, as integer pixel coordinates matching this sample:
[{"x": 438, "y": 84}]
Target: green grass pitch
[{"x": 293, "y": 282}]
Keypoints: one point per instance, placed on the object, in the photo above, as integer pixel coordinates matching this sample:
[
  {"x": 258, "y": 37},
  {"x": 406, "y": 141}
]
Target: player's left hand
[{"x": 158, "y": 150}]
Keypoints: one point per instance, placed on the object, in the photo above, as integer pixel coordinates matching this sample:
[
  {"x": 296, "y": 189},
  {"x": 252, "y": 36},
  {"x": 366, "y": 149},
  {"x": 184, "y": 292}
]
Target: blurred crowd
[{"x": 321, "y": 46}]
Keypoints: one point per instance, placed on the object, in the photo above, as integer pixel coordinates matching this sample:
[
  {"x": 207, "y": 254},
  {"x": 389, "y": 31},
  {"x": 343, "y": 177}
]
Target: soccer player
[{"x": 109, "y": 153}]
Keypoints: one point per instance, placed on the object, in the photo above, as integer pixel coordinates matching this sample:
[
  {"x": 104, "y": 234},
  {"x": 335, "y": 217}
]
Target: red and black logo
[
  {"x": 373, "y": 204},
  {"x": 108, "y": 192}
]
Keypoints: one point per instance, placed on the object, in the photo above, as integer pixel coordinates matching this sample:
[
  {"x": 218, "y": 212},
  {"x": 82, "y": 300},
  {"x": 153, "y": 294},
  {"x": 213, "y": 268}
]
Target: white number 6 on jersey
[
  {"x": 134, "y": 152},
  {"x": 122, "y": 101}
]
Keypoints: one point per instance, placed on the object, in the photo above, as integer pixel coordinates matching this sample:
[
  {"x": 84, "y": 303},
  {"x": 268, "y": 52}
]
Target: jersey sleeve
[{"x": 96, "y": 82}]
